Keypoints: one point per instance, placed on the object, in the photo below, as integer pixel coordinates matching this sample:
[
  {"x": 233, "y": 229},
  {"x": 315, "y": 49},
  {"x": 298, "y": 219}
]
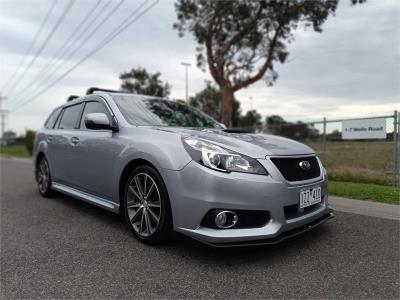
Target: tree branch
[
  {"x": 264, "y": 67},
  {"x": 210, "y": 57},
  {"x": 240, "y": 34}
]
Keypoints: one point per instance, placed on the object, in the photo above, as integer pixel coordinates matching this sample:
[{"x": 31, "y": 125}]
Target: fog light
[{"x": 226, "y": 219}]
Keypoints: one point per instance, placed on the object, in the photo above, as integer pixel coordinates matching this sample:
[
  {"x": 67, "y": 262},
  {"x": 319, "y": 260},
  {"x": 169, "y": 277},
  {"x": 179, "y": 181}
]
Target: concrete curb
[{"x": 367, "y": 208}]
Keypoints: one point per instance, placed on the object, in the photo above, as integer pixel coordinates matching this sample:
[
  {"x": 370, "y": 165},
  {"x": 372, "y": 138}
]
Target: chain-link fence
[{"x": 366, "y": 160}]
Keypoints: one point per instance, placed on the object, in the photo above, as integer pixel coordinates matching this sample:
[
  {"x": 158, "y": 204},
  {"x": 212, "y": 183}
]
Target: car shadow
[{"x": 187, "y": 248}]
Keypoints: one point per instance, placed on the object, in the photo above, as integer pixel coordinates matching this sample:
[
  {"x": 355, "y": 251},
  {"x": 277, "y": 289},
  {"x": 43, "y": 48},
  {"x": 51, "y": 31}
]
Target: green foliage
[
  {"x": 297, "y": 131},
  {"x": 29, "y": 140},
  {"x": 361, "y": 191},
  {"x": 139, "y": 81},
  {"x": 208, "y": 100},
  {"x": 251, "y": 121}
]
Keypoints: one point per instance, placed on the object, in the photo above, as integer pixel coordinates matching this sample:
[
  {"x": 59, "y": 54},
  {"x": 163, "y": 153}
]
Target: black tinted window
[
  {"x": 52, "y": 119},
  {"x": 70, "y": 116},
  {"x": 93, "y": 107}
]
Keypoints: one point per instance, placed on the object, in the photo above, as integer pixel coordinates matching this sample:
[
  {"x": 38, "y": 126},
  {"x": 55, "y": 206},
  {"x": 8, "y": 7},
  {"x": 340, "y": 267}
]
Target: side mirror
[{"x": 98, "y": 121}]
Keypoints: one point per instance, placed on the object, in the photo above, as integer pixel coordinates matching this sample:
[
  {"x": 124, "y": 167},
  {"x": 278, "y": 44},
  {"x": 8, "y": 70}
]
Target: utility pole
[
  {"x": 186, "y": 65},
  {"x": 251, "y": 103},
  {"x": 3, "y": 115}
]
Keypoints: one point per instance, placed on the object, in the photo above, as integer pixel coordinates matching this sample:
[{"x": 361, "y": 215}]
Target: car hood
[{"x": 251, "y": 144}]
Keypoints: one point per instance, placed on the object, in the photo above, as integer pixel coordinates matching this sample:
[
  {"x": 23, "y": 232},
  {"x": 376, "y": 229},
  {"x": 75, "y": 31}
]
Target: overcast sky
[{"x": 351, "y": 69}]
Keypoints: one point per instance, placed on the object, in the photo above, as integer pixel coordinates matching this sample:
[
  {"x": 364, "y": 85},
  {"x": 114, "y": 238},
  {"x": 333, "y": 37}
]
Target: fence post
[
  {"x": 324, "y": 140},
  {"x": 395, "y": 149}
]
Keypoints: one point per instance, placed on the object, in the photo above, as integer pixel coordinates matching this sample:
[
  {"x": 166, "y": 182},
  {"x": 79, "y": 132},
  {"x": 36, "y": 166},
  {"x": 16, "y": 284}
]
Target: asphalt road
[{"x": 64, "y": 248}]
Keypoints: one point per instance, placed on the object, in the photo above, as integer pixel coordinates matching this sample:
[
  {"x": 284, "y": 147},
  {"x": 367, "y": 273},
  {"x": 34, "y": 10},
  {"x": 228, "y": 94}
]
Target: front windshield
[{"x": 139, "y": 110}]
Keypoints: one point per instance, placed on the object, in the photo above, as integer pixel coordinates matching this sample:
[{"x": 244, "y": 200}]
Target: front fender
[{"x": 169, "y": 154}]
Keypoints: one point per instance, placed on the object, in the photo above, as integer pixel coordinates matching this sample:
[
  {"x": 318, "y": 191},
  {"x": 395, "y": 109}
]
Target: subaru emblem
[{"x": 305, "y": 165}]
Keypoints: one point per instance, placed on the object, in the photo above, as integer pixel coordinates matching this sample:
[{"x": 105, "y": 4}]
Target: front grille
[{"x": 291, "y": 170}]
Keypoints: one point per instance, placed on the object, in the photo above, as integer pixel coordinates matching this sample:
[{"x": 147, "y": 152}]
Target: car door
[
  {"x": 96, "y": 152},
  {"x": 62, "y": 145}
]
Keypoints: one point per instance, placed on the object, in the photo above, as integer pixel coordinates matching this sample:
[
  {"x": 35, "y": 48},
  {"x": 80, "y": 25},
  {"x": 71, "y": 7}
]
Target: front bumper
[
  {"x": 277, "y": 239},
  {"x": 195, "y": 190}
]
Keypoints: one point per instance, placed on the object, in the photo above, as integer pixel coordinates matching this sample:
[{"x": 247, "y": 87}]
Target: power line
[
  {"x": 122, "y": 27},
  {"x": 65, "y": 47},
  {"x": 33, "y": 42},
  {"x": 44, "y": 44},
  {"x": 87, "y": 38},
  {"x": 59, "y": 64}
]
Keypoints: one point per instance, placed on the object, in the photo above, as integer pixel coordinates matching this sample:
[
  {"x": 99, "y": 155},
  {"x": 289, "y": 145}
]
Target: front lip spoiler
[{"x": 275, "y": 240}]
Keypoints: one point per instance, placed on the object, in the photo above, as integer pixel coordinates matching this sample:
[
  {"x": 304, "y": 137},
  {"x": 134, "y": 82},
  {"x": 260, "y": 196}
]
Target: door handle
[
  {"x": 74, "y": 140},
  {"x": 49, "y": 138}
]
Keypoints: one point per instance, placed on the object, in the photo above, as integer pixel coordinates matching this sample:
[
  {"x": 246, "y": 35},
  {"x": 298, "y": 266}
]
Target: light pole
[
  {"x": 186, "y": 65},
  {"x": 3, "y": 114}
]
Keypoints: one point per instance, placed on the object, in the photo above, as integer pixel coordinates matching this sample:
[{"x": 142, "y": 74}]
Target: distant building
[{"x": 9, "y": 138}]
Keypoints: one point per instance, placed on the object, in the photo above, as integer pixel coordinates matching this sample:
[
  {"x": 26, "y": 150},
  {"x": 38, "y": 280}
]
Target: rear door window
[
  {"x": 52, "y": 119},
  {"x": 70, "y": 117}
]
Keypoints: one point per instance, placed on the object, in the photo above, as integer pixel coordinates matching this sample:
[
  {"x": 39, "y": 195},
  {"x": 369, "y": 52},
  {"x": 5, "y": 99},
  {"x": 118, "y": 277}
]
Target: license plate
[{"x": 310, "y": 197}]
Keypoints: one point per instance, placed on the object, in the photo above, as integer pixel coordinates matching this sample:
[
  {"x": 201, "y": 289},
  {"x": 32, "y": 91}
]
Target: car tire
[
  {"x": 147, "y": 208},
  {"x": 43, "y": 177}
]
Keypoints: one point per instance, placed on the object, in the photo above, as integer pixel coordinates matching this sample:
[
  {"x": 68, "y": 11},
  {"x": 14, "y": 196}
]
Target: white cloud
[{"x": 350, "y": 69}]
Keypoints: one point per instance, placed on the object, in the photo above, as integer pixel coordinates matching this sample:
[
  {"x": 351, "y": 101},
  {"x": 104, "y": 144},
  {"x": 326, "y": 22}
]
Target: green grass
[
  {"x": 357, "y": 161},
  {"x": 362, "y": 191},
  {"x": 16, "y": 151}
]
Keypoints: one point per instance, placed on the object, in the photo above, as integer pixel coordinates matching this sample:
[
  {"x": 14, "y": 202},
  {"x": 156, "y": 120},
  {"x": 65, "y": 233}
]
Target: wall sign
[{"x": 364, "y": 129}]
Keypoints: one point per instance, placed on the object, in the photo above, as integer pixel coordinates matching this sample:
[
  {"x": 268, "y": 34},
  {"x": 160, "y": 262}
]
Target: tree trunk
[{"x": 227, "y": 105}]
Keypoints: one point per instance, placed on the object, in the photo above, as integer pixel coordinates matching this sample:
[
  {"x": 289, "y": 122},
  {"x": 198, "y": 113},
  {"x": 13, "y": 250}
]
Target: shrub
[{"x": 29, "y": 140}]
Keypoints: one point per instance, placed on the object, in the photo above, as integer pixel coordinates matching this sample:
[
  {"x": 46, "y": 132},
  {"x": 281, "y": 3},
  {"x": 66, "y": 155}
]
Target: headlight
[
  {"x": 221, "y": 159},
  {"x": 323, "y": 168}
]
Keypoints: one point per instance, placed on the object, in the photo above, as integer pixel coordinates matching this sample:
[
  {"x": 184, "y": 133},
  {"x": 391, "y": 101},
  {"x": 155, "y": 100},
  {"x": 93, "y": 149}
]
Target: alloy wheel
[
  {"x": 43, "y": 176},
  {"x": 143, "y": 204}
]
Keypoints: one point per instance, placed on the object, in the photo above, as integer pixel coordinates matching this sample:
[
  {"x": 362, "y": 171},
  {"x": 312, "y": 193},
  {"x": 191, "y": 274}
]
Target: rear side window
[
  {"x": 70, "y": 117},
  {"x": 52, "y": 119},
  {"x": 93, "y": 107}
]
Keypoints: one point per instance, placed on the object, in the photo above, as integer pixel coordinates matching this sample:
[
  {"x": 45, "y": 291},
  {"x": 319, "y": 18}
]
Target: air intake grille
[{"x": 291, "y": 170}]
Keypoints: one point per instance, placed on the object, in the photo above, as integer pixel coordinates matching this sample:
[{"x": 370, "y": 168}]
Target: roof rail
[
  {"x": 72, "y": 97},
  {"x": 95, "y": 89}
]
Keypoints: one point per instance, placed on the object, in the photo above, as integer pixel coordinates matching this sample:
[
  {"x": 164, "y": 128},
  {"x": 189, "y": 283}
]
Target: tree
[
  {"x": 251, "y": 121},
  {"x": 297, "y": 131},
  {"x": 139, "y": 81},
  {"x": 240, "y": 41},
  {"x": 209, "y": 101},
  {"x": 29, "y": 140},
  {"x": 335, "y": 135}
]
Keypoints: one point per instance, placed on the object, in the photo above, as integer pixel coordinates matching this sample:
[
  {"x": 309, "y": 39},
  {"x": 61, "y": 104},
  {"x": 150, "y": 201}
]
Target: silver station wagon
[{"x": 166, "y": 166}]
